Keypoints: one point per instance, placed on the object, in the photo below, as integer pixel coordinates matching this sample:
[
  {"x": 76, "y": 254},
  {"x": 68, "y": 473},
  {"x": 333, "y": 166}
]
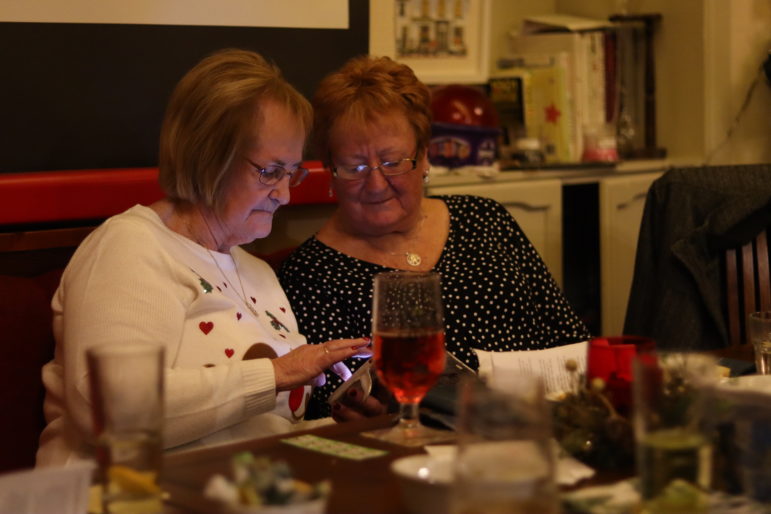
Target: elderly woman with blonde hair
[{"x": 172, "y": 273}]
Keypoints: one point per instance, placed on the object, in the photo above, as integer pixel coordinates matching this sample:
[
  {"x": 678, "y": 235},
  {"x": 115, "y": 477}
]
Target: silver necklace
[
  {"x": 249, "y": 306},
  {"x": 413, "y": 259}
]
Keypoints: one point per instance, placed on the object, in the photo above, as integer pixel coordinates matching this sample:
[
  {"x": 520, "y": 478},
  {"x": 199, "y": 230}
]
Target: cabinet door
[
  {"x": 621, "y": 206},
  {"x": 537, "y": 207}
]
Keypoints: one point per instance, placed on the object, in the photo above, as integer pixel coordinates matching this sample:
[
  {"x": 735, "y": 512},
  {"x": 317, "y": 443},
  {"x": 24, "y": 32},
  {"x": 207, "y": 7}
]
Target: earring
[
  {"x": 426, "y": 176},
  {"x": 331, "y": 193}
]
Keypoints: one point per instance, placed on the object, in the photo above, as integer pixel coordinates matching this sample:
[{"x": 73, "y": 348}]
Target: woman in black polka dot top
[{"x": 373, "y": 120}]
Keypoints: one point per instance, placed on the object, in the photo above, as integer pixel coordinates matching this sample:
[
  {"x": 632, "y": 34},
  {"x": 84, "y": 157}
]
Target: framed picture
[
  {"x": 330, "y": 14},
  {"x": 444, "y": 41}
]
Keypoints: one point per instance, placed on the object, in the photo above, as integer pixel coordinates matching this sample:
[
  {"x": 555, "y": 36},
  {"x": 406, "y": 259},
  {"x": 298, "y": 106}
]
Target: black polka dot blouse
[{"x": 497, "y": 292}]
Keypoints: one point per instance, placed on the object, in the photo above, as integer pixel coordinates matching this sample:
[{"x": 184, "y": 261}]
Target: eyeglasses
[
  {"x": 272, "y": 174},
  {"x": 388, "y": 168}
]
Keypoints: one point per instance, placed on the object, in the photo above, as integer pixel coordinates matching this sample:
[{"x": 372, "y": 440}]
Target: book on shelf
[
  {"x": 594, "y": 49},
  {"x": 507, "y": 95},
  {"x": 581, "y": 45},
  {"x": 532, "y": 100},
  {"x": 610, "y": 42}
]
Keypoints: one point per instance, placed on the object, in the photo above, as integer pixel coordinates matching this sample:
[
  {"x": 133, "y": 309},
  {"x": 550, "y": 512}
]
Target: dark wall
[{"x": 78, "y": 96}]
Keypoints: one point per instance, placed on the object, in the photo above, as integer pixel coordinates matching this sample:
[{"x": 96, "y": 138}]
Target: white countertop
[{"x": 569, "y": 175}]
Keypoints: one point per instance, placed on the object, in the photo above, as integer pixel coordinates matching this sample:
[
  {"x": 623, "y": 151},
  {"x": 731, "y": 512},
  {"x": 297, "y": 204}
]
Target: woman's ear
[{"x": 422, "y": 159}]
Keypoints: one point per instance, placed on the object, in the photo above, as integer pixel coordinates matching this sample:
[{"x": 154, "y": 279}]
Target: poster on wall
[
  {"x": 431, "y": 29},
  {"x": 317, "y": 14},
  {"x": 444, "y": 41}
]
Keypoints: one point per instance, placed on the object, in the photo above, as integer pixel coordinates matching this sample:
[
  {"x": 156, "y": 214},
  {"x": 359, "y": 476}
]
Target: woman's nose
[
  {"x": 376, "y": 179},
  {"x": 280, "y": 191}
]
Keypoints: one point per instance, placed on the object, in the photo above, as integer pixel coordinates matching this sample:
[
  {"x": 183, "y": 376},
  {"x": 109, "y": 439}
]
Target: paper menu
[{"x": 548, "y": 364}]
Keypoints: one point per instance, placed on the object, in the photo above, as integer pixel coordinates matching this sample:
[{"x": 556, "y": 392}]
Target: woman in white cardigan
[{"x": 173, "y": 273}]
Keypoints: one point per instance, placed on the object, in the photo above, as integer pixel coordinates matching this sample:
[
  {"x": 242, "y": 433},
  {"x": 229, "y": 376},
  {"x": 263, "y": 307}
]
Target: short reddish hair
[{"x": 365, "y": 88}]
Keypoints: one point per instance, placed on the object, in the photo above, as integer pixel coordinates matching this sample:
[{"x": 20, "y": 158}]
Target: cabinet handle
[
  {"x": 624, "y": 205},
  {"x": 528, "y": 207}
]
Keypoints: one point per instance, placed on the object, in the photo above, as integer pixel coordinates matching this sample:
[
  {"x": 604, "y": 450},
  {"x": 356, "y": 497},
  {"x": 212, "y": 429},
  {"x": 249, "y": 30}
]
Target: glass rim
[{"x": 406, "y": 273}]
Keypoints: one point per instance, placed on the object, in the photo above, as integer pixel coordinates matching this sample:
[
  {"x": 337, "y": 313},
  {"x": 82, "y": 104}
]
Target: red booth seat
[
  {"x": 26, "y": 341},
  {"x": 53, "y": 196}
]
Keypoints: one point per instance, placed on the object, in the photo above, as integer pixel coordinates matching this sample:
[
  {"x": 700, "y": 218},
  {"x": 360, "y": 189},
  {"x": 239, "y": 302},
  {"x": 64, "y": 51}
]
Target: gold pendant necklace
[
  {"x": 413, "y": 259},
  {"x": 249, "y": 306}
]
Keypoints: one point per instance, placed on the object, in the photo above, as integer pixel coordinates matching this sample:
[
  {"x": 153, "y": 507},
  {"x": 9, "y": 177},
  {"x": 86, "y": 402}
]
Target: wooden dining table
[{"x": 357, "y": 485}]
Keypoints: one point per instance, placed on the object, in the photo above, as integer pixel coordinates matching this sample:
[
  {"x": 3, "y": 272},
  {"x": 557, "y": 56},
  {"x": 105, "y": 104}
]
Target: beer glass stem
[{"x": 409, "y": 418}]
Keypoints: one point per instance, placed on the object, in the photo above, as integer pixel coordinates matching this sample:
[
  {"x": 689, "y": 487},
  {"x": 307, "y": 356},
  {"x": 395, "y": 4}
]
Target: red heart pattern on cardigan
[
  {"x": 206, "y": 327},
  {"x": 296, "y": 398},
  {"x": 229, "y": 352}
]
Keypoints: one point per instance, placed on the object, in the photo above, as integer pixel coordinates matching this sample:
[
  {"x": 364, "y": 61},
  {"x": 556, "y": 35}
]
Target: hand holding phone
[{"x": 361, "y": 380}]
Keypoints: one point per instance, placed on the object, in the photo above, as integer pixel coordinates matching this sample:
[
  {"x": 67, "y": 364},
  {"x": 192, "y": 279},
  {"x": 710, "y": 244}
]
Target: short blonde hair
[
  {"x": 209, "y": 119},
  {"x": 366, "y": 88}
]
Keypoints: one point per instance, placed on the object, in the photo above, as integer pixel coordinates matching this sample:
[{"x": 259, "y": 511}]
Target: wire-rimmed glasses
[
  {"x": 387, "y": 168},
  {"x": 273, "y": 173}
]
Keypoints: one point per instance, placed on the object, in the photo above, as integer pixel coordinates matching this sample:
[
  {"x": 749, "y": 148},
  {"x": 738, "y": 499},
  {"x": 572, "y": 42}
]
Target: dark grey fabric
[{"x": 691, "y": 216}]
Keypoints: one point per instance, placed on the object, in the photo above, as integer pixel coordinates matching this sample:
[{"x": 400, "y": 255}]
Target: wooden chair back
[{"x": 747, "y": 285}]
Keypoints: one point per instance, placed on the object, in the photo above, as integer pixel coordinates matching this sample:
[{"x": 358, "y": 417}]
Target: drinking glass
[
  {"x": 505, "y": 459},
  {"x": 759, "y": 331},
  {"x": 127, "y": 404},
  {"x": 742, "y": 417},
  {"x": 408, "y": 336},
  {"x": 674, "y": 450}
]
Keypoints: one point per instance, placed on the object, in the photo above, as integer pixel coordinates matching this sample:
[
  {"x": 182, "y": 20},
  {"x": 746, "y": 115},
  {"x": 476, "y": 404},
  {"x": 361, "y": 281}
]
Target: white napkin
[
  {"x": 624, "y": 497},
  {"x": 617, "y": 498},
  {"x": 61, "y": 489},
  {"x": 569, "y": 471}
]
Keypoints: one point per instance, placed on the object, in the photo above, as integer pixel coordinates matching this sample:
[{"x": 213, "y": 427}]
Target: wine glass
[{"x": 408, "y": 333}]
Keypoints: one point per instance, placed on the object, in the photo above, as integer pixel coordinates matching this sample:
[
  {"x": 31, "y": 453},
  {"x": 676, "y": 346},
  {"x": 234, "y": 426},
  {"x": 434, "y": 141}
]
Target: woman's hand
[
  {"x": 353, "y": 407},
  {"x": 306, "y": 364}
]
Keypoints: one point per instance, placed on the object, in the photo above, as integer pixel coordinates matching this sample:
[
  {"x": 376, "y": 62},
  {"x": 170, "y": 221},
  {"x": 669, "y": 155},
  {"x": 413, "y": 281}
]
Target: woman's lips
[{"x": 378, "y": 202}]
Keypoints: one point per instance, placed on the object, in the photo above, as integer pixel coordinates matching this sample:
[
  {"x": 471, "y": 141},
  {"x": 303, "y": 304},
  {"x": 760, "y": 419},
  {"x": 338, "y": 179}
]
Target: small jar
[{"x": 527, "y": 152}]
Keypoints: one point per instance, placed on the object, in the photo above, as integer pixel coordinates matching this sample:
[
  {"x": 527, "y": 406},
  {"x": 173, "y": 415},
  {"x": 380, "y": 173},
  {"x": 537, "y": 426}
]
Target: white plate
[{"x": 425, "y": 482}]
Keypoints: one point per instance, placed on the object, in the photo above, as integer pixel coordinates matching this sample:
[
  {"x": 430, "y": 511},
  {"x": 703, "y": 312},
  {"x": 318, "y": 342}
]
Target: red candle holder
[{"x": 610, "y": 358}]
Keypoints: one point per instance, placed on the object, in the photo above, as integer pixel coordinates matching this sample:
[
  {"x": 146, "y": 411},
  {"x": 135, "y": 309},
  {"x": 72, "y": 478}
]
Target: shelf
[{"x": 569, "y": 174}]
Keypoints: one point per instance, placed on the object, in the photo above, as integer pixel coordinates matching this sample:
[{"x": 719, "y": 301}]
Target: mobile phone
[
  {"x": 454, "y": 365},
  {"x": 361, "y": 380}
]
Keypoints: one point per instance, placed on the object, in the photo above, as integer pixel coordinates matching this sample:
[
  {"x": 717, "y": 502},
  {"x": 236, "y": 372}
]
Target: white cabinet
[
  {"x": 622, "y": 200},
  {"x": 535, "y": 204}
]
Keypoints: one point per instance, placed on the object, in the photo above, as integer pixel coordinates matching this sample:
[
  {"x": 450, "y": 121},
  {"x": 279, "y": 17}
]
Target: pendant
[{"x": 413, "y": 259}]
